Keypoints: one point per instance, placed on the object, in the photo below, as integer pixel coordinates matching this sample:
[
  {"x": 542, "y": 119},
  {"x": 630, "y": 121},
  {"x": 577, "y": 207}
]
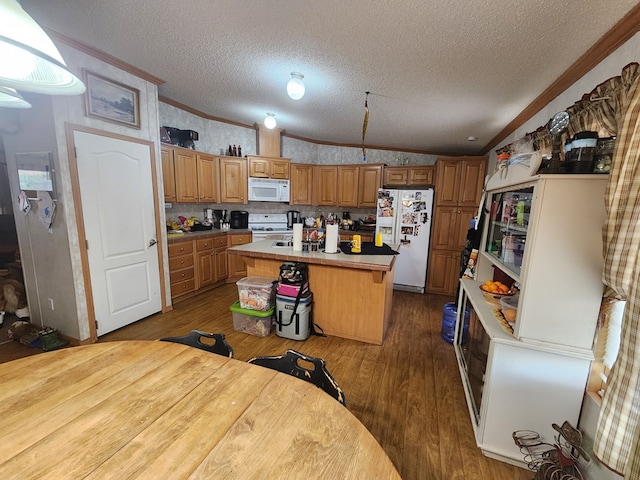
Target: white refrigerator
[{"x": 404, "y": 217}]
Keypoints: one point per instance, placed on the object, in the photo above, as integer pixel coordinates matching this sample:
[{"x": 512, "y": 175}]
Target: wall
[
  {"x": 215, "y": 137},
  {"x": 51, "y": 260}
]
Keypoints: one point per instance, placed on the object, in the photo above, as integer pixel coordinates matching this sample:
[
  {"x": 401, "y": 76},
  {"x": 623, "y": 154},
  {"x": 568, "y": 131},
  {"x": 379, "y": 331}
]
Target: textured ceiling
[{"x": 438, "y": 72}]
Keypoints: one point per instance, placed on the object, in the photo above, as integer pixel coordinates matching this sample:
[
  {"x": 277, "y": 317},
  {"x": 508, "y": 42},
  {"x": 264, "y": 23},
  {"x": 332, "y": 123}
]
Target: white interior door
[{"x": 119, "y": 220}]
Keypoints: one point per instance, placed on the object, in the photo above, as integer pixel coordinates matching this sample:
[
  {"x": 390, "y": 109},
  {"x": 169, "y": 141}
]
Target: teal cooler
[{"x": 296, "y": 328}]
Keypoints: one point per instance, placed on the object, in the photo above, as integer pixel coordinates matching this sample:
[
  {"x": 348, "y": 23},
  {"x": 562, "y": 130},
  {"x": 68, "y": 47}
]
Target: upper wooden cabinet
[
  {"x": 348, "y": 185},
  {"x": 325, "y": 179},
  {"x": 459, "y": 181},
  {"x": 189, "y": 176},
  {"x": 207, "y": 166},
  {"x": 267, "y": 167},
  {"x": 301, "y": 184},
  {"x": 186, "y": 172},
  {"x": 369, "y": 181},
  {"x": 168, "y": 174},
  {"x": 421, "y": 175},
  {"x": 233, "y": 180}
]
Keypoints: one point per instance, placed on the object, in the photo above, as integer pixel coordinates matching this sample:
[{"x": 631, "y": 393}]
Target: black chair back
[
  {"x": 289, "y": 363},
  {"x": 193, "y": 339}
]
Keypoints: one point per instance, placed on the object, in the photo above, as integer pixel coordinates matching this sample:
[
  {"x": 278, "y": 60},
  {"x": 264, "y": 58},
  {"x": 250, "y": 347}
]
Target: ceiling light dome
[
  {"x": 29, "y": 60},
  {"x": 270, "y": 121},
  {"x": 295, "y": 86},
  {"x": 11, "y": 99}
]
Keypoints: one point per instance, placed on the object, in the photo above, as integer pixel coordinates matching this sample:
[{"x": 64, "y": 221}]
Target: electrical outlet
[{"x": 50, "y": 303}]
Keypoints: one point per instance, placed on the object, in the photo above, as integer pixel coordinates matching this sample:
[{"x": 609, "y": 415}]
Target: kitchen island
[{"x": 352, "y": 294}]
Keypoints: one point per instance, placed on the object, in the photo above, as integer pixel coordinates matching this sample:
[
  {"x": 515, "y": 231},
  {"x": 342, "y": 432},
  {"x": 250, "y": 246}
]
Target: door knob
[{"x": 152, "y": 242}]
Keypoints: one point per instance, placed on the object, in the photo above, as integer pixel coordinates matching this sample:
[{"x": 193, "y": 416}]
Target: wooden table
[{"x": 159, "y": 410}]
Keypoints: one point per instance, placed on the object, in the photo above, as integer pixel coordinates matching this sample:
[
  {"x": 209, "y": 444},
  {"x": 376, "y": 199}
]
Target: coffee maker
[{"x": 293, "y": 216}]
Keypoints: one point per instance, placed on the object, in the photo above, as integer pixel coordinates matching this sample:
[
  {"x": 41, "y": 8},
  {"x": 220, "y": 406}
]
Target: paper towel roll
[
  {"x": 297, "y": 237},
  {"x": 331, "y": 243}
]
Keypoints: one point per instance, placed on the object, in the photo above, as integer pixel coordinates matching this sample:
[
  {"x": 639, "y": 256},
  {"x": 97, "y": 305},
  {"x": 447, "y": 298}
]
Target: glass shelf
[{"x": 508, "y": 227}]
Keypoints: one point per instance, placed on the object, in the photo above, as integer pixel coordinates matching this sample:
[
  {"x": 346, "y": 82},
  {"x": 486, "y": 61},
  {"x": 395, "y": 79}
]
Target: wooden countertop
[
  {"x": 151, "y": 409},
  {"x": 265, "y": 249}
]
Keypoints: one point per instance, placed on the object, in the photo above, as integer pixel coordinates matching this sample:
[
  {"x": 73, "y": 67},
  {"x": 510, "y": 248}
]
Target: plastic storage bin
[
  {"x": 252, "y": 322},
  {"x": 256, "y": 293},
  {"x": 296, "y": 328}
]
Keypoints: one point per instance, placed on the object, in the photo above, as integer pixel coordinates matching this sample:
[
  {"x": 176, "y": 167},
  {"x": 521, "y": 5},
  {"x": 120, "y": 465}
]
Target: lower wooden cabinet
[
  {"x": 211, "y": 253},
  {"x": 236, "y": 269},
  {"x": 444, "y": 271},
  {"x": 196, "y": 264},
  {"x": 181, "y": 268}
]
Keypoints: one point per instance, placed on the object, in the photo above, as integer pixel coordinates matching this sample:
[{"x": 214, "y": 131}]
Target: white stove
[{"x": 268, "y": 225}]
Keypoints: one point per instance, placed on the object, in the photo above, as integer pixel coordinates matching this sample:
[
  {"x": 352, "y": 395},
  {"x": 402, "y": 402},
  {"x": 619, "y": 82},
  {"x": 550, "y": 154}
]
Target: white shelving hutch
[{"x": 530, "y": 374}]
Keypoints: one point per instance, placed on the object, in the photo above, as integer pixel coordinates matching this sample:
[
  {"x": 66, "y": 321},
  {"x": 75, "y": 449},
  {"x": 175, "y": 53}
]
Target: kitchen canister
[
  {"x": 582, "y": 154},
  {"x": 604, "y": 155}
]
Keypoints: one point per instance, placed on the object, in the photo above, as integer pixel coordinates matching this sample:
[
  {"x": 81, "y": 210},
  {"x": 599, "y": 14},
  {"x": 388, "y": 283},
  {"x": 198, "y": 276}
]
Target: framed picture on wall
[{"x": 109, "y": 100}]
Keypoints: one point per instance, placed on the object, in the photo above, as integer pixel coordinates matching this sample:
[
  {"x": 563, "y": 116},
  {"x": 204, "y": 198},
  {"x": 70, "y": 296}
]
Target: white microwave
[{"x": 268, "y": 190}]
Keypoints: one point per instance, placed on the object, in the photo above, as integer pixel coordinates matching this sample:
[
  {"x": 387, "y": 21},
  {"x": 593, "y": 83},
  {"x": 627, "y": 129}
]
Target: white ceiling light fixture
[
  {"x": 9, "y": 98},
  {"x": 295, "y": 86},
  {"x": 270, "y": 121},
  {"x": 29, "y": 60}
]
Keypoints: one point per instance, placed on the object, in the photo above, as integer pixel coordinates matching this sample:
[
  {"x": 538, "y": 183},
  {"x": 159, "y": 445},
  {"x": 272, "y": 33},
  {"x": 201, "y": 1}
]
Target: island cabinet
[
  {"x": 233, "y": 180},
  {"x": 237, "y": 269},
  {"x": 544, "y": 234},
  {"x": 459, "y": 184},
  {"x": 181, "y": 268},
  {"x": 168, "y": 174},
  {"x": 420, "y": 175},
  {"x": 266, "y": 167},
  {"x": 325, "y": 190},
  {"x": 301, "y": 184},
  {"x": 352, "y": 294}
]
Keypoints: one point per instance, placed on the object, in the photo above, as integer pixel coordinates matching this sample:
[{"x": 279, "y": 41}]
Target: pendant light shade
[
  {"x": 9, "y": 98},
  {"x": 29, "y": 60},
  {"x": 270, "y": 121},
  {"x": 295, "y": 86}
]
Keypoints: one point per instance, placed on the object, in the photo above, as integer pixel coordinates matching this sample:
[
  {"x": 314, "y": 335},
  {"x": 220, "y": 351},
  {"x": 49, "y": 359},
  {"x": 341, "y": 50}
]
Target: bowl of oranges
[{"x": 493, "y": 291}]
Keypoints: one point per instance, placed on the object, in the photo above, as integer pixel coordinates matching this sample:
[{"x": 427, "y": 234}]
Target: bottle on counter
[
  {"x": 239, "y": 151},
  {"x": 230, "y": 151},
  {"x": 235, "y": 150}
]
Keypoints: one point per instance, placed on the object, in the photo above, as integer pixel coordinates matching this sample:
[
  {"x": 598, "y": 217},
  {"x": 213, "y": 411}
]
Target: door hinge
[
  {"x": 96, "y": 324},
  {"x": 86, "y": 244},
  {"x": 75, "y": 152}
]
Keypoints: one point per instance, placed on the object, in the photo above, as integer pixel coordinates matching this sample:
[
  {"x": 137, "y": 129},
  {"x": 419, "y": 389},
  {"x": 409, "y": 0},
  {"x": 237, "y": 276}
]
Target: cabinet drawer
[
  {"x": 220, "y": 241},
  {"x": 181, "y": 275},
  {"x": 181, "y": 248},
  {"x": 181, "y": 288},
  {"x": 182, "y": 261},
  {"x": 240, "y": 239},
  {"x": 204, "y": 244}
]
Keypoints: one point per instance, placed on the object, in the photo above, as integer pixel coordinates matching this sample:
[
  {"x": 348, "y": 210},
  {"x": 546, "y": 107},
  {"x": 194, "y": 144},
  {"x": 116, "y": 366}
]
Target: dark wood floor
[{"x": 407, "y": 392}]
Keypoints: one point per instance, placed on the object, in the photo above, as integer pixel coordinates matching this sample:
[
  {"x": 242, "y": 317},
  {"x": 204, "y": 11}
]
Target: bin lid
[{"x": 256, "y": 313}]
